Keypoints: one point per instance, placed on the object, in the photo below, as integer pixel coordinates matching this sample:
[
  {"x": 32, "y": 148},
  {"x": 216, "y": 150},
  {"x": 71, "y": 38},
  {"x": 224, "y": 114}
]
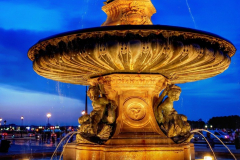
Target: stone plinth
[
  {"x": 134, "y": 152},
  {"x": 127, "y": 152},
  {"x": 134, "y": 95},
  {"x": 137, "y": 134}
]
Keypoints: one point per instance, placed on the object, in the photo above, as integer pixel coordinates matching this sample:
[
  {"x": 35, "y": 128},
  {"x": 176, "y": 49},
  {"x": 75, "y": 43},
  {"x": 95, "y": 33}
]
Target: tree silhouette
[{"x": 227, "y": 122}]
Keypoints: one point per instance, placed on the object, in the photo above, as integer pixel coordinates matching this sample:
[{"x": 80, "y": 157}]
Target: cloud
[
  {"x": 28, "y": 16},
  {"x": 16, "y": 102}
]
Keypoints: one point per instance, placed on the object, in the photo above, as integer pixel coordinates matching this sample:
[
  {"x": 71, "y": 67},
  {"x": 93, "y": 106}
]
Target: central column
[
  {"x": 134, "y": 94},
  {"x": 128, "y": 12},
  {"x": 136, "y": 134}
]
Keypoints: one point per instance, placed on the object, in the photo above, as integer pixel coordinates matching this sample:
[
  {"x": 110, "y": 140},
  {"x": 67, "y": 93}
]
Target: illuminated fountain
[{"x": 127, "y": 63}]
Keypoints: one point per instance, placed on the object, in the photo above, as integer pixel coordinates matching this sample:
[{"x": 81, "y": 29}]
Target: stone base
[
  {"x": 129, "y": 152},
  {"x": 136, "y": 135}
]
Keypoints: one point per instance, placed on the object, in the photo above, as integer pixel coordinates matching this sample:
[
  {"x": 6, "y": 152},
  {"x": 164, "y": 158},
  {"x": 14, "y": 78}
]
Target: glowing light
[
  {"x": 22, "y": 117},
  {"x": 207, "y": 158},
  {"x": 83, "y": 112},
  {"x": 49, "y": 115}
]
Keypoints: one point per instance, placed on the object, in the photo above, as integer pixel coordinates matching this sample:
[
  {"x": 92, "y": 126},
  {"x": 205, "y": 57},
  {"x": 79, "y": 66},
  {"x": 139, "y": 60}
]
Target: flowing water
[
  {"x": 66, "y": 144},
  {"x": 189, "y": 9},
  {"x": 208, "y": 144},
  {"x": 70, "y": 134},
  {"x": 63, "y": 139},
  {"x": 198, "y": 130}
]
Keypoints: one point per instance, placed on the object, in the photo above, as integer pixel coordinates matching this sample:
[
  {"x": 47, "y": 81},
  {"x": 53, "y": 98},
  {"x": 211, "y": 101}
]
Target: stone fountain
[{"x": 127, "y": 62}]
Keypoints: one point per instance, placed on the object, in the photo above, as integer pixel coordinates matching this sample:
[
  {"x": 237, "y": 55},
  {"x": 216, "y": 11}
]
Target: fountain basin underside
[
  {"x": 181, "y": 55},
  {"x": 133, "y": 152}
]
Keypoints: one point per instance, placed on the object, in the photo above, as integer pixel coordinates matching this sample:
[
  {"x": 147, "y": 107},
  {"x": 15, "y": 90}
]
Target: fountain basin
[{"x": 180, "y": 54}]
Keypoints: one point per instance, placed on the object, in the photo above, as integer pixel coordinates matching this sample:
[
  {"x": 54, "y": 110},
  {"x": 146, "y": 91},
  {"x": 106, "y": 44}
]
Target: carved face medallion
[{"x": 136, "y": 111}]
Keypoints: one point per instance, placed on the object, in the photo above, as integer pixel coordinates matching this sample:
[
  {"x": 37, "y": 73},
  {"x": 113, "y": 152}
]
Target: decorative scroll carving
[
  {"x": 97, "y": 127},
  {"x": 134, "y": 15},
  {"x": 173, "y": 124},
  {"x": 124, "y": 52}
]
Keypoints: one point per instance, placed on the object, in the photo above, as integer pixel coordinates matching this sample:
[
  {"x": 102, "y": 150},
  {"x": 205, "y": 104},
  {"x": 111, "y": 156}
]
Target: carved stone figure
[
  {"x": 173, "y": 124},
  {"x": 97, "y": 126}
]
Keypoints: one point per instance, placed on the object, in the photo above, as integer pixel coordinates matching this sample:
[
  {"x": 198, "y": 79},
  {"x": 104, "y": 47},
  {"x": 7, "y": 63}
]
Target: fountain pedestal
[
  {"x": 136, "y": 133},
  {"x": 149, "y": 57}
]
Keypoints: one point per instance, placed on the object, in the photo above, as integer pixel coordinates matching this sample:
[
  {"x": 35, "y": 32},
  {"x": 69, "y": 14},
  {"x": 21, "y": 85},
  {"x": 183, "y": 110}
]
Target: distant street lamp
[
  {"x": 83, "y": 112},
  {"x": 48, "y": 116},
  {"x": 21, "y": 125},
  {"x": 86, "y": 109},
  {"x": 22, "y": 119}
]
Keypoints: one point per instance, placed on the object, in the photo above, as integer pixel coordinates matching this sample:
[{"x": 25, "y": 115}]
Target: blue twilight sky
[{"x": 24, "y": 93}]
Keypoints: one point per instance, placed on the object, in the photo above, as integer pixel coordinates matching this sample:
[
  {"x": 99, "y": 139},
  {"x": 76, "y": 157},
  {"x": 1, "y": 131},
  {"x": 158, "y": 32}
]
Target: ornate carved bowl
[{"x": 180, "y": 54}]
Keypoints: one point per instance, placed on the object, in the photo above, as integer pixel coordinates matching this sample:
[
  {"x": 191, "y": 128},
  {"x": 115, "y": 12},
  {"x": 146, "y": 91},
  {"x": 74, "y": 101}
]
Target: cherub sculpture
[
  {"x": 97, "y": 126},
  {"x": 173, "y": 124}
]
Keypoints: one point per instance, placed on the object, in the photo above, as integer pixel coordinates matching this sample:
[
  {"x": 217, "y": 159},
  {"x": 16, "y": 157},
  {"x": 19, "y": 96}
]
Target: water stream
[
  {"x": 193, "y": 131},
  {"x": 66, "y": 144},
  {"x": 59, "y": 144},
  {"x": 198, "y": 130},
  {"x": 208, "y": 144},
  {"x": 189, "y": 9}
]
